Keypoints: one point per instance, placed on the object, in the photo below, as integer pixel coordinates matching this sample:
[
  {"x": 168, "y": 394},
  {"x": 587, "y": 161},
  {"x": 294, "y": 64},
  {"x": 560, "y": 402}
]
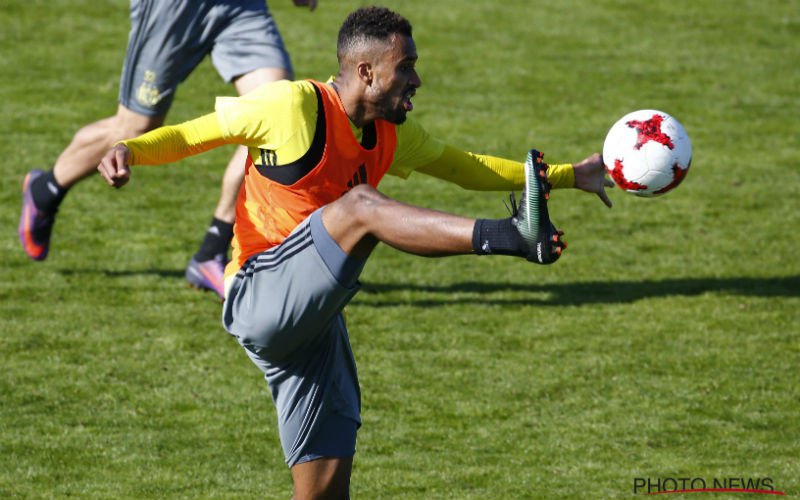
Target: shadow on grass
[
  {"x": 554, "y": 294},
  {"x": 570, "y": 294},
  {"x": 161, "y": 273}
]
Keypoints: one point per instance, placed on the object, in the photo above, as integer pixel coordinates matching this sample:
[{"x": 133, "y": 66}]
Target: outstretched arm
[
  {"x": 162, "y": 145},
  {"x": 483, "y": 172},
  {"x": 490, "y": 173}
]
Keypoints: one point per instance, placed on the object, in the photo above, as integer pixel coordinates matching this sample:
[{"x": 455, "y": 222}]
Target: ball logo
[{"x": 650, "y": 130}]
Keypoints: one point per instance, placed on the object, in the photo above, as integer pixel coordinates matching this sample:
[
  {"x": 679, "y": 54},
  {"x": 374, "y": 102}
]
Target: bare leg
[
  {"x": 80, "y": 158},
  {"x": 323, "y": 479},
  {"x": 364, "y": 216},
  {"x": 234, "y": 173}
]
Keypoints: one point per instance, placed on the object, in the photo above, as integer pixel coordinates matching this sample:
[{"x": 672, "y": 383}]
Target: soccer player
[
  {"x": 308, "y": 216},
  {"x": 168, "y": 39}
]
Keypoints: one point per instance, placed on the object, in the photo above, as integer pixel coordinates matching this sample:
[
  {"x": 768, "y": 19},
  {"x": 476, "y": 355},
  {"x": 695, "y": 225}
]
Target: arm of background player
[
  {"x": 175, "y": 142},
  {"x": 489, "y": 173}
]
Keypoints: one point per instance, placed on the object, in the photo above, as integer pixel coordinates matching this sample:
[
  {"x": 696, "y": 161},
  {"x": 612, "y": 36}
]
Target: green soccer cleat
[{"x": 532, "y": 219}]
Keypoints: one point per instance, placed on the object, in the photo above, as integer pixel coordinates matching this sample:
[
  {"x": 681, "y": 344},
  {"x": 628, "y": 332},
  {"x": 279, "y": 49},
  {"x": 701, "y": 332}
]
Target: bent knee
[
  {"x": 128, "y": 124},
  {"x": 360, "y": 201},
  {"x": 363, "y": 193}
]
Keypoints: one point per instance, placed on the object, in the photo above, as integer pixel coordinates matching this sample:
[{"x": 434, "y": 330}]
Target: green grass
[{"x": 664, "y": 344}]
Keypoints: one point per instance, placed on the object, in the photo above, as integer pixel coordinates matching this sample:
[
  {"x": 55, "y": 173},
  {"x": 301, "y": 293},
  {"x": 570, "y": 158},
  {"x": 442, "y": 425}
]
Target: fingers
[
  {"x": 103, "y": 170},
  {"x": 607, "y": 183},
  {"x": 604, "y": 197},
  {"x": 114, "y": 167}
]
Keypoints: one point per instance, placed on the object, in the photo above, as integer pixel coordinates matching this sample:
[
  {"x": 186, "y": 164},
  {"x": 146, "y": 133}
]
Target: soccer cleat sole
[{"x": 536, "y": 227}]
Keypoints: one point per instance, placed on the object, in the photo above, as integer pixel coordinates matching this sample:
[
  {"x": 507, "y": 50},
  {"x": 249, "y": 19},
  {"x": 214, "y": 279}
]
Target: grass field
[{"x": 665, "y": 344}]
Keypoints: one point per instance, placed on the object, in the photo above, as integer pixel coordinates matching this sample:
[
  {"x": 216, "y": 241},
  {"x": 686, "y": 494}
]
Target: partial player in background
[{"x": 168, "y": 39}]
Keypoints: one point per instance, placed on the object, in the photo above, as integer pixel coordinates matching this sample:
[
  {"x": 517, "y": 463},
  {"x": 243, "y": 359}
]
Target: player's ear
[{"x": 365, "y": 73}]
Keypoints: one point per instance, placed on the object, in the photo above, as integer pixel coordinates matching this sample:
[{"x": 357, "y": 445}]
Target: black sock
[
  {"x": 216, "y": 242},
  {"x": 47, "y": 193},
  {"x": 497, "y": 236}
]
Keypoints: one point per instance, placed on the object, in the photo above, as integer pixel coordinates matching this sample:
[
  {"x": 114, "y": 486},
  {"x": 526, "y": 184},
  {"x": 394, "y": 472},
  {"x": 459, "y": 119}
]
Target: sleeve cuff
[{"x": 561, "y": 175}]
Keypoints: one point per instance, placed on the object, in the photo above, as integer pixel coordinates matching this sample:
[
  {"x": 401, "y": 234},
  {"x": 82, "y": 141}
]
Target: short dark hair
[{"x": 376, "y": 23}]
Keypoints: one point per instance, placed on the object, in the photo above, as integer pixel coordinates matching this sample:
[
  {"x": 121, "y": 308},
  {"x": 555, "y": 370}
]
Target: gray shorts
[
  {"x": 169, "y": 38},
  {"x": 284, "y": 307}
]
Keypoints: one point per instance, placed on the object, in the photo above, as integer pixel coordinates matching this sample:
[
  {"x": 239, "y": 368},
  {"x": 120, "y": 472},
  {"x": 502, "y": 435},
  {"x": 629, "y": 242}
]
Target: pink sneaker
[
  {"x": 207, "y": 275},
  {"x": 35, "y": 226}
]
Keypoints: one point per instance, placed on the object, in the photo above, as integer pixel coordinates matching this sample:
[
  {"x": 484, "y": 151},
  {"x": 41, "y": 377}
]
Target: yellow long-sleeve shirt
[{"x": 280, "y": 118}]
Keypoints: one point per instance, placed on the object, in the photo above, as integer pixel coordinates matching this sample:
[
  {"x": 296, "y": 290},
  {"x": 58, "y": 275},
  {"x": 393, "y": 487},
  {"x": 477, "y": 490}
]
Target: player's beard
[
  {"x": 395, "y": 114},
  {"x": 393, "y": 108},
  {"x": 397, "y": 117}
]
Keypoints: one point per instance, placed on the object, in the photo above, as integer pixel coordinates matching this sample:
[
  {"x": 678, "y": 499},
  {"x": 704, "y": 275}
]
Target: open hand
[{"x": 590, "y": 176}]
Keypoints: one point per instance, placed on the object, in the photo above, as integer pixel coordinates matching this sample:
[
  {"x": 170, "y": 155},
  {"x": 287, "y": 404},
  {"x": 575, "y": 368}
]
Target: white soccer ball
[{"x": 647, "y": 152}]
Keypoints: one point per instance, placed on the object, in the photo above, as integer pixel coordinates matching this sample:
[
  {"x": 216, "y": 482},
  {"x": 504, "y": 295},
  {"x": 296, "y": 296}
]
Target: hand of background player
[
  {"x": 312, "y": 4},
  {"x": 590, "y": 176},
  {"x": 114, "y": 166}
]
